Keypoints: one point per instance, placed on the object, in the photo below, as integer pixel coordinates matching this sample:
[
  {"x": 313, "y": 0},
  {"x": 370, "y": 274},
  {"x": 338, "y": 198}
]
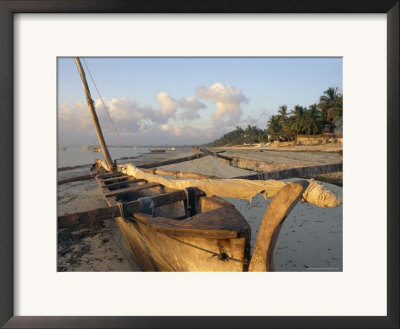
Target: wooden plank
[
  {"x": 75, "y": 179},
  {"x": 303, "y": 172},
  {"x": 266, "y": 173},
  {"x": 98, "y": 215},
  {"x": 132, "y": 189},
  {"x": 248, "y": 164},
  {"x": 126, "y": 182},
  {"x": 172, "y": 161},
  {"x": 178, "y": 174},
  {"x": 114, "y": 178}
]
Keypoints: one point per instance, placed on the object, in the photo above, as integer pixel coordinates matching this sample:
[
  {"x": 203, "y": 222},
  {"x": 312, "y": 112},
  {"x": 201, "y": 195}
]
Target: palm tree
[
  {"x": 312, "y": 120},
  {"x": 283, "y": 114},
  {"x": 298, "y": 123},
  {"x": 274, "y": 125},
  {"x": 331, "y": 106},
  {"x": 330, "y": 96}
]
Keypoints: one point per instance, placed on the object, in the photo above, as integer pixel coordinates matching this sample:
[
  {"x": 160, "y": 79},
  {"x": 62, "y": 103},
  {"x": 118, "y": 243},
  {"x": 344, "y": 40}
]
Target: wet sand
[{"x": 310, "y": 239}]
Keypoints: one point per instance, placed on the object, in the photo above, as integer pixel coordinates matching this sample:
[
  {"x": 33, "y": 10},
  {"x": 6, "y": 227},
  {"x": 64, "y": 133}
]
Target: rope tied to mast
[{"x": 121, "y": 145}]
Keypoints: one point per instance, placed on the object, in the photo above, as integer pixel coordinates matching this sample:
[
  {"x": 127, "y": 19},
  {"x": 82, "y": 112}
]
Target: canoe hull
[
  {"x": 156, "y": 251},
  {"x": 215, "y": 238}
]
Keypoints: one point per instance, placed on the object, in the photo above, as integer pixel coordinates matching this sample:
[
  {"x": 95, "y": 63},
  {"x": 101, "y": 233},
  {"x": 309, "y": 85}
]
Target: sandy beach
[{"x": 310, "y": 239}]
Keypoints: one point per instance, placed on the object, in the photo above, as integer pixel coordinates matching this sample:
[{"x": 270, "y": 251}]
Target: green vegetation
[
  {"x": 324, "y": 117},
  {"x": 250, "y": 135}
]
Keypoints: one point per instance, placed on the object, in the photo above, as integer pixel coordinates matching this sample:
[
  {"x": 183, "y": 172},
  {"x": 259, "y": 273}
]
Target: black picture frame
[{"x": 10, "y": 7}]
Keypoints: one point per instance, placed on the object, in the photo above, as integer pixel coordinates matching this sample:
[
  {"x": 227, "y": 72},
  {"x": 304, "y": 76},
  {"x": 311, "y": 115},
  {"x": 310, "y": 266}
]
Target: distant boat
[
  {"x": 85, "y": 147},
  {"x": 96, "y": 149},
  {"x": 171, "y": 149},
  {"x": 157, "y": 151}
]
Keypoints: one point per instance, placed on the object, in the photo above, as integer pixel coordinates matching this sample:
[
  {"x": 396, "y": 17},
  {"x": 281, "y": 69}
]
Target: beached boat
[
  {"x": 157, "y": 150},
  {"x": 172, "y": 225},
  {"x": 171, "y": 149}
]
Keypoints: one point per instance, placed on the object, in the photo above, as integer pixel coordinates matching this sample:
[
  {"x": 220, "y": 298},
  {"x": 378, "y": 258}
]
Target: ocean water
[{"x": 77, "y": 156}]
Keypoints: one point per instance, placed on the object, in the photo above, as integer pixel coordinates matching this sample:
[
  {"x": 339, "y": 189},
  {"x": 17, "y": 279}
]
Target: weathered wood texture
[
  {"x": 266, "y": 167},
  {"x": 131, "y": 189},
  {"x": 98, "y": 215},
  {"x": 156, "y": 251},
  {"x": 221, "y": 223},
  {"x": 76, "y": 179},
  {"x": 115, "y": 178},
  {"x": 280, "y": 206},
  {"x": 90, "y": 103},
  {"x": 178, "y": 174},
  {"x": 248, "y": 164},
  {"x": 302, "y": 172},
  {"x": 126, "y": 182}
]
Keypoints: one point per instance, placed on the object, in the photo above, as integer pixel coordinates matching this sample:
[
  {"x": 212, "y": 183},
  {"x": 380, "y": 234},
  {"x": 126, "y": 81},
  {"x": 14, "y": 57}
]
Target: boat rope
[
  {"x": 222, "y": 255},
  {"x": 121, "y": 146},
  {"x": 145, "y": 240}
]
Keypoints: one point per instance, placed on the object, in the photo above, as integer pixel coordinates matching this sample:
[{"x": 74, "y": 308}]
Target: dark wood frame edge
[{"x": 9, "y": 7}]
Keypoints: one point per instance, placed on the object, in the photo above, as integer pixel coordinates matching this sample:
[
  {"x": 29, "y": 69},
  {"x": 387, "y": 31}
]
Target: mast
[{"x": 90, "y": 103}]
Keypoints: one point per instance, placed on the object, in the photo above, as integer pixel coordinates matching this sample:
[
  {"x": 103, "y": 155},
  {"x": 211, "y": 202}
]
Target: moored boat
[{"x": 157, "y": 150}]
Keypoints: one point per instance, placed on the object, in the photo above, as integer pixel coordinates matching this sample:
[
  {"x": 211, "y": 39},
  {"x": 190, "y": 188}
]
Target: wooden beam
[
  {"x": 114, "y": 178},
  {"x": 75, "y": 179},
  {"x": 178, "y": 174},
  {"x": 98, "y": 215},
  {"x": 90, "y": 103},
  {"x": 266, "y": 173},
  {"x": 303, "y": 172},
  {"x": 131, "y": 189},
  {"x": 125, "y": 182},
  {"x": 248, "y": 164},
  {"x": 281, "y": 205},
  {"x": 172, "y": 161}
]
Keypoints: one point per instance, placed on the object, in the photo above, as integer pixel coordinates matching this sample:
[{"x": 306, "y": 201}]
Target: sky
[{"x": 177, "y": 101}]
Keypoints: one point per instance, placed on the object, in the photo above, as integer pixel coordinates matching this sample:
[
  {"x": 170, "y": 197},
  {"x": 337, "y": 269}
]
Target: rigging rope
[
  {"x": 222, "y": 255},
  {"x": 121, "y": 146}
]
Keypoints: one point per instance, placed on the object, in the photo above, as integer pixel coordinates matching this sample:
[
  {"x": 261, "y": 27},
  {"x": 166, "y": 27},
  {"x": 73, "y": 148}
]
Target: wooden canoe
[
  {"x": 182, "y": 230},
  {"x": 208, "y": 235}
]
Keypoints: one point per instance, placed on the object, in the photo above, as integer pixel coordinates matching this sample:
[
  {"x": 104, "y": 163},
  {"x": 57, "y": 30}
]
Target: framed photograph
[{"x": 152, "y": 152}]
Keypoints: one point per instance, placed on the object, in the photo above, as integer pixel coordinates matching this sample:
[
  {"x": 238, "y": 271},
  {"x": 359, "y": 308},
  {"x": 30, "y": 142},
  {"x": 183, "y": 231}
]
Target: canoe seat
[
  {"x": 132, "y": 189},
  {"x": 114, "y": 178}
]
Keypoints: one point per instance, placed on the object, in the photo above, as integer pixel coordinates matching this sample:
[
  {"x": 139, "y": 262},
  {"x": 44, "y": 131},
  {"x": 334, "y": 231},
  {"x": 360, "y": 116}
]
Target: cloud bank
[
  {"x": 227, "y": 99},
  {"x": 174, "y": 121}
]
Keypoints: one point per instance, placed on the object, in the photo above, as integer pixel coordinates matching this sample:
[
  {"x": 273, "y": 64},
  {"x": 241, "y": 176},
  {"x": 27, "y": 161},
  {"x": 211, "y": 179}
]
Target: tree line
[
  {"x": 250, "y": 135},
  {"x": 324, "y": 117}
]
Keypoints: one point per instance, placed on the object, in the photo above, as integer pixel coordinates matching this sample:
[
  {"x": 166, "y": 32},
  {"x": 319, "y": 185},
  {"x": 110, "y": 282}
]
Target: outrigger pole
[{"x": 90, "y": 103}]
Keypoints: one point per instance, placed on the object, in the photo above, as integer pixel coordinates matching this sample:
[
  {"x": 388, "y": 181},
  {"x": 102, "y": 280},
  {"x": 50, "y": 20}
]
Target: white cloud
[
  {"x": 191, "y": 107},
  {"x": 170, "y": 123},
  {"x": 168, "y": 105},
  {"x": 74, "y": 118},
  {"x": 128, "y": 116},
  {"x": 227, "y": 99}
]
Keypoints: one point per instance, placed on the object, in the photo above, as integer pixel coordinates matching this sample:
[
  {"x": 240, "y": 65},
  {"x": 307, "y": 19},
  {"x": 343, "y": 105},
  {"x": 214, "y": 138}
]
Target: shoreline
[{"x": 310, "y": 238}]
